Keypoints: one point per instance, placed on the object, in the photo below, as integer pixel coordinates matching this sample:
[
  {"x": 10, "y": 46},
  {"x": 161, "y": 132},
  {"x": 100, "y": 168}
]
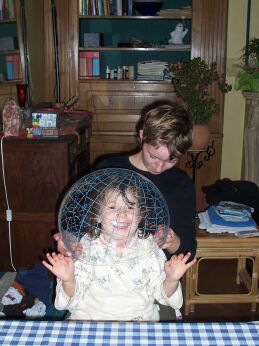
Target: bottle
[
  {"x": 124, "y": 68},
  {"x": 119, "y": 73},
  {"x": 108, "y": 72},
  {"x": 112, "y": 73},
  {"x": 127, "y": 72},
  {"x": 131, "y": 72},
  {"x": 115, "y": 73}
]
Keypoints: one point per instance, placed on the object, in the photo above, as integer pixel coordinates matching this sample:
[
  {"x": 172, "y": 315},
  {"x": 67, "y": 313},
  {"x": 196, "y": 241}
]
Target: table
[
  {"x": 224, "y": 246},
  {"x": 127, "y": 333}
]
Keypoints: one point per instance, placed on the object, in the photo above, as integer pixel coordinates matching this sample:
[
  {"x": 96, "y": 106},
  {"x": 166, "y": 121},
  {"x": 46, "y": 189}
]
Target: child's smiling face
[{"x": 120, "y": 215}]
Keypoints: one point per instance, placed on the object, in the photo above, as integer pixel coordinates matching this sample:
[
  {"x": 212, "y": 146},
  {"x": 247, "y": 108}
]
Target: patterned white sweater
[{"x": 118, "y": 288}]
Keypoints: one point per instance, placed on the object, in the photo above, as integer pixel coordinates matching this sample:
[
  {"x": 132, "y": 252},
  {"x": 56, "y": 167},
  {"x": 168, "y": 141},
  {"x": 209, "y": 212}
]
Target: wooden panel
[
  {"x": 38, "y": 173},
  {"x": 116, "y": 107},
  {"x": 26, "y": 166},
  {"x": 102, "y": 144},
  {"x": 65, "y": 62},
  {"x": 28, "y": 243},
  {"x": 207, "y": 173},
  {"x": 7, "y": 91},
  {"x": 209, "y": 38}
]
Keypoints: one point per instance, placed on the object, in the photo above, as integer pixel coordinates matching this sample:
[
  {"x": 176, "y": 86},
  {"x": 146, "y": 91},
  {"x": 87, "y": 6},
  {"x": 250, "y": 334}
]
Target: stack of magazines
[
  {"x": 151, "y": 70},
  {"x": 228, "y": 217}
]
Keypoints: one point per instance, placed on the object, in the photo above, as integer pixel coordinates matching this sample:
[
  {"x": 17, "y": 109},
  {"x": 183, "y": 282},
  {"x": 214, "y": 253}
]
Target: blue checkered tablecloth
[{"x": 127, "y": 333}]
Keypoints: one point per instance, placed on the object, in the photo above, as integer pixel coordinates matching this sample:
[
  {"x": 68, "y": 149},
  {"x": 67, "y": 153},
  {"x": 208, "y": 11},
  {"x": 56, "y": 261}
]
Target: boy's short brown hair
[{"x": 167, "y": 122}]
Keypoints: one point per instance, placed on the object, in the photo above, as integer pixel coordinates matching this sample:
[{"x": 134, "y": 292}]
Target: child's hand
[
  {"x": 177, "y": 266},
  {"x": 61, "y": 266}
]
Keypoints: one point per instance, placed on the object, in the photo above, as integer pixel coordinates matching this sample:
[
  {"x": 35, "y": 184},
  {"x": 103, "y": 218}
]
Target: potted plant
[
  {"x": 191, "y": 81},
  {"x": 247, "y": 78}
]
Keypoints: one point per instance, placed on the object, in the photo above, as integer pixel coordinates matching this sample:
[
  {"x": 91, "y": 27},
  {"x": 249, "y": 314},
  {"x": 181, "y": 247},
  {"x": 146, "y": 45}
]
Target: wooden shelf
[
  {"x": 126, "y": 81},
  {"x": 177, "y": 14},
  {"x": 13, "y": 81},
  {"x": 7, "y": 21},
  {"x": 178, "y": 48},
  {"x": 13, "y": 51}
]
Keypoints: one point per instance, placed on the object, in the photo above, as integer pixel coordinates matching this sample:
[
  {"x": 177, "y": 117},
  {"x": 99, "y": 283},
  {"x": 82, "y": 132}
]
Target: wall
[{"x": 234, "y": 101}]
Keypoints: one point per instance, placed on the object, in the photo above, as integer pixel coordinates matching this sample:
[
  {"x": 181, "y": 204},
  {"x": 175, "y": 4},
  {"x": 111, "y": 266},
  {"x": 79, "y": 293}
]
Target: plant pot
[{"x": 201, "y": 137}]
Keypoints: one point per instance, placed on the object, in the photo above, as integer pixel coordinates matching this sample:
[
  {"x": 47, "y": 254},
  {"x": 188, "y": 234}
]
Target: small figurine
[
  {"x": 11, "y": 118},
  {"x": 29, "y": 132},
  {"x": 178, "y": 34}
]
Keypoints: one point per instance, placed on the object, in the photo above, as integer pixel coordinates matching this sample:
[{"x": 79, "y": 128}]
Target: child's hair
[
  {"x": 97, "y": 198},
  {"x": 166, "y": 122}
]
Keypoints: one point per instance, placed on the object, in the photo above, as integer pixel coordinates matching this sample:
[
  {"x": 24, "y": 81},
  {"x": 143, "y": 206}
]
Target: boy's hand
[
  {"x": 61, "y": 247},
  {"x": 171, "y": 243}
]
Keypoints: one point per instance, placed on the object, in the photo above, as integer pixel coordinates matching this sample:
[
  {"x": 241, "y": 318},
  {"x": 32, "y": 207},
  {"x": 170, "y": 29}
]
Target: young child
[{"x": 125, "y": 271}]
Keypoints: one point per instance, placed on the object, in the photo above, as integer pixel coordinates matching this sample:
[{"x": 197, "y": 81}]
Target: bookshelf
[
  {"x": 126, "y": 40},
  {"x": 116, "y": 104},
  {"x": 11, "y": 51},
  {"x": 10, "y": 56}
]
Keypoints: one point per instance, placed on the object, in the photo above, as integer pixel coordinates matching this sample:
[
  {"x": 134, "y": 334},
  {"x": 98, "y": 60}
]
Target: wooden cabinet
[
  {"x": 116, "y": 104},
  {"x": 116, "y": 107},
  {"x": 37, "y": 173}
]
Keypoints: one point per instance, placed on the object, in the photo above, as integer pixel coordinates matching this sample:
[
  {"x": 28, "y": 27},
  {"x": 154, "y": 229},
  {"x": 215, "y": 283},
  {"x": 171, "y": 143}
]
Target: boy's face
[
  {"x": 120, "y": 216},
  {"x": 156, "y": 159}
]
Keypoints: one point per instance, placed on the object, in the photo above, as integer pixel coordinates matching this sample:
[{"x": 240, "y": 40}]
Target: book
[
  {"x": 13, "y": 67},
  {"x": 125, "y": 7},
  {"x": 96, "y": 66},
  {"x": 11, "y": 9},
  {"x": 216, "y": 219},
  {"x": 119, "y": 8},
  {"x": 130, "y": 7},
  {"x": 89, "y": 64},
  {"x": 82, "y": 65},
  {"x": 101, "y": 7},
  {"x": 205, "y": 223}
]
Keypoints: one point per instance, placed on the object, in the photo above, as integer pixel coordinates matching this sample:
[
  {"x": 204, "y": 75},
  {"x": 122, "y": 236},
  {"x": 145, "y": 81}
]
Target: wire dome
[{"x": 113, "y": 215}]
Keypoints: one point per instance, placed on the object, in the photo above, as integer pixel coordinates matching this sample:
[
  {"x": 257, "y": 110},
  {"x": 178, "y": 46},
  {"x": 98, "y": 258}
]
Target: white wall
[{"x": 234, "y": 101}]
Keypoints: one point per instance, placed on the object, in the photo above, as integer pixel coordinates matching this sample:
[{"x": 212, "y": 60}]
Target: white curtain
[{"x": 251, "y": 139}]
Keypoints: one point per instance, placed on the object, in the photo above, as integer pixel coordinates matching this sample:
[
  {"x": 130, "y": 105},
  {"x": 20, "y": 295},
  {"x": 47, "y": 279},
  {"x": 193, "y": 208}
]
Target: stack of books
[
  {"x": 105, "y": 7},
  {"x": 7, "y": 9},
  {"x": 13, "y": 67},
  {"x": 89, "y": 65},
  {"x": 151, "y": 70},
  {"x": 227, "y": 217}
]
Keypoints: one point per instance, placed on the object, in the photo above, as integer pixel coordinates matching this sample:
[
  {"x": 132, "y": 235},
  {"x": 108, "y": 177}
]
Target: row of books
[
  {"x": 13, "y": 67},
  {"x": 7, "y": 9},
  {"x": 89, "y": 65},
  {"x": 105, "y": 7}
]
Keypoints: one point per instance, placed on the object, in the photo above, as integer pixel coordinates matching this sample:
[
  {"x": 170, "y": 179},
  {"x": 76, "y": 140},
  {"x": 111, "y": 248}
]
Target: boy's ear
[{"x": 140, "y": 134}]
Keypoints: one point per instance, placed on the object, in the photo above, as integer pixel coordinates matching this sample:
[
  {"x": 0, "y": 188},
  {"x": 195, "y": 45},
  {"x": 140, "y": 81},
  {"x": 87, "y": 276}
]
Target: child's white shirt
[{"x": 122, "y": 289}]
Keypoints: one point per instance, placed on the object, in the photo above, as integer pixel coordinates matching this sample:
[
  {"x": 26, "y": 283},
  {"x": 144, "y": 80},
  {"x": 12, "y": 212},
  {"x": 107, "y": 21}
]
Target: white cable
[
  {"x": 8, "y": 211},
  {"x": 3, "y": 170}
]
